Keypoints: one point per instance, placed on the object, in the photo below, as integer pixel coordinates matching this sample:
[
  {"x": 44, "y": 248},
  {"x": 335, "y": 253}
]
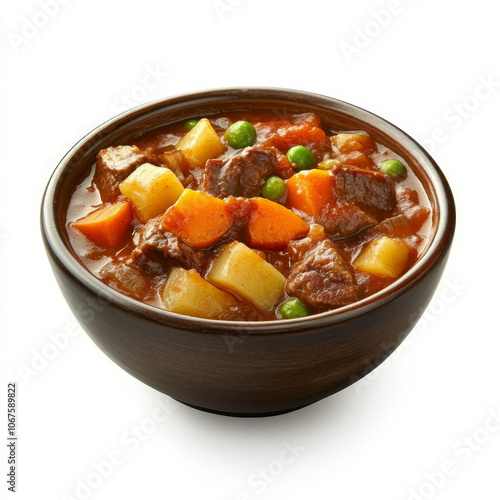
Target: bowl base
[{"x": 262, "y": 414}]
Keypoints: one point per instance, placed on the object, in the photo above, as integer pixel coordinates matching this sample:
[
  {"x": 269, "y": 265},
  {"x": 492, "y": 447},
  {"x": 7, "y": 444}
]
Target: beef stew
[{"x": 210, "y": 219}]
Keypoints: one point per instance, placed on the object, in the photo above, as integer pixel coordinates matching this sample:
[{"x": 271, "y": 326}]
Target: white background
[{"x": 423, "y": 424}]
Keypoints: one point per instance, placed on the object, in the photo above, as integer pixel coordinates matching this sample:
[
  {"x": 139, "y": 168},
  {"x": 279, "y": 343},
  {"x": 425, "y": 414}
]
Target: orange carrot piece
[
  {"x": 198, "y": 219},
  {"x": 357, "y": 159},
  {"x": 303, "y": 134},
  {"x": 358, "y": 141},
  {"x": 272, "y": 226},
  {"x": 107, "y": 225},
  {"x": 311, "y": 191}
]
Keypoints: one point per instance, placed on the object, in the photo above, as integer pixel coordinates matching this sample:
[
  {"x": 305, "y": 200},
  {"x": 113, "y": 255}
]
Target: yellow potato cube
[
  {"x": 245, "y": 273},
  {"x": 385, "y": 257},
  {"x": 186, "y": 292},
  {"x": 151, "y": 190},
  {"x": 358, "y": 141},
  {"x": 201, "y": 143}
]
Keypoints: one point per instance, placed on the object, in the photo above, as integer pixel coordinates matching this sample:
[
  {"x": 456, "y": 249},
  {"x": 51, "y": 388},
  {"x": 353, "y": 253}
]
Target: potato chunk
[
  {"x": 359, "y": 141},
  {"x": 240, "y": 270},
  {"x": 186, "y": 292},
  {"x": 151, "y": 190},
  {"x": 201, "y": 143},
  {"x": 385, "y": 257}
]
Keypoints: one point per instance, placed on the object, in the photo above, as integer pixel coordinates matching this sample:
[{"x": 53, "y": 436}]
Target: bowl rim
[{"x": 441, "y": 239}]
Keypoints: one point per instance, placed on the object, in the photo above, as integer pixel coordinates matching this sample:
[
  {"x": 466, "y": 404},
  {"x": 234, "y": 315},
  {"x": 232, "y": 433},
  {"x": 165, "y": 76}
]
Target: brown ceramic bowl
[{"x": 246, "y": 368}]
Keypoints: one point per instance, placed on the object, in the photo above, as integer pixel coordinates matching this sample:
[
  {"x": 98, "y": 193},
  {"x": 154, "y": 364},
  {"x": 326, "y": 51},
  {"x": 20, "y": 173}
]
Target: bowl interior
[{"x": 335, "y": 114}]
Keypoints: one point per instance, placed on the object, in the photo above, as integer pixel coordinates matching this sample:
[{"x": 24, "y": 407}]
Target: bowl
[{"x": 245, "y": 368}]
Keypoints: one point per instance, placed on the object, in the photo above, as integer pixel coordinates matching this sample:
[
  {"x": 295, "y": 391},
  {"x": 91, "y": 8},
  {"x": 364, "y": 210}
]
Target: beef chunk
[
  {"x": 241, "y": 210},
  {"x": 113, "y": 166},
  {"x": 154, "y": 243},
  {"x": 241, "y": 175},
  {"x": 320, "y": 277},
  {"x": 212, "y": 172},
  {"x": 367, "y": 188},
  {"x": 344, "y": 220}
]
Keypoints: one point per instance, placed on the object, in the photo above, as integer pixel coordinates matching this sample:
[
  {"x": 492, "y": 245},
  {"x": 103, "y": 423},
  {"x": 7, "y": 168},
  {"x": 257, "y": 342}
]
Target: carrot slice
[
  {"x": 304, "y": 134},
  {"x": 357, "y": 159},
  {"x": 198, "y": 219},
  {"x": 357, "y": 141},
  {"x": 311, "y": 191},
  {"x": 272, "y": 226},
  {"x": 107, "y": 225}
]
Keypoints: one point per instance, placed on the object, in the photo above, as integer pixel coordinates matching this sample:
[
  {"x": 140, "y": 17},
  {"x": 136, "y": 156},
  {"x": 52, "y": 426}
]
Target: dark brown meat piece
[
  {"x": 153, "y": 242},
  {"x": 320, "y": 277},
  {"x": 113, "y": 166},
  {"x": 241, "y": 209},
  {"x": 241, "y": 175},
  {"x": 344, "y": 219},
  {"x": 367, "y": 188}
]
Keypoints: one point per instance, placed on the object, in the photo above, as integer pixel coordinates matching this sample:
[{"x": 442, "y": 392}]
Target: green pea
[
  {"x": 190, "y": 124},
  {"x": 274, "y": 188},
  {"x": 240, "y": 134},
  {"x": 392, "y": 168},
  {"x": 301, "y": 158},
  {"x": 293, "y": 308}
]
